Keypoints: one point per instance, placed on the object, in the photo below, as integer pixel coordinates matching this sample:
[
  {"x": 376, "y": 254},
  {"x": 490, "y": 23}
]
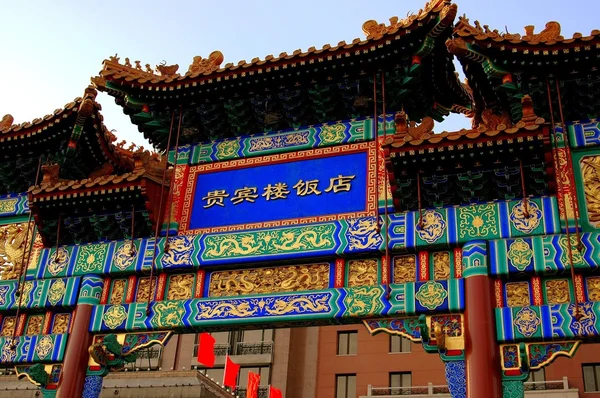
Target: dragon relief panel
[
  {"x": 269, "y": 241},
  {"x": 180, "y": 287},
  {"x": 590, "y": 172},
  {"x": 517, "y": 294},
  {"x": 557, "y": 291},
  {"x": 441, "y": 265},
  {"x": 117, "y": 294},
  {"x": 144, "y": 291},
  {"x": 34, "y": 325},
  {"x": 61, "y": 323},
  {"x": 8, "y": 326},
  {"x": 405, "y": 268},
  {"x": 12, "y": 247},
  {"x": 363, "y": 272},
  {"x": 593, "y": 288},
  {"x": 269, "y": 280}
]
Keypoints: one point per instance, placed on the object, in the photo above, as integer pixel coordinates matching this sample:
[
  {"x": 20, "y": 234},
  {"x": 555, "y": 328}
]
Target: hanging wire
[
  {"x": 525, "y": 204},
  {"x": 131, "y": 244},
  {"x": 560, "y": 196},
  {"x": 376, "y": 135},
  {"x": 171, "y": 183},
  {"x": 159, "y": 218},
  {"x": 419, "y": 199},
  {"x": 385, "y": 182},
  {"x": 24, "y": 264},
  {"x": 573, "y": 192}
]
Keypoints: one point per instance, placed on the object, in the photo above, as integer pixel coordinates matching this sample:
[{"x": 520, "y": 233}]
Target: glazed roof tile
[
  {"x": 210, "y": 67},
  {"x": 550, "y": 35}
]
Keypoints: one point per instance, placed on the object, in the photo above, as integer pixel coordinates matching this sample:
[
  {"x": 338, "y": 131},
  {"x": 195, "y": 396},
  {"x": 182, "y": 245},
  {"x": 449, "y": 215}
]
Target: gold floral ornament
[
  {"x": 114, "y": 316},
  {"x": 8, "y": 326},
  {"x": 525, "y": 216},
  {"x": 118, "y": 291},
  {"x": 143, "y": 293},
  {"x": 269, "y": 280},
  {"x": 431, "y": 295},
  {"x": 362, "y": 273},
  {"x": 405, "y": 268},
  {"x": 557, "y": 291},
  {"x": 432, "y": 226},
  {"x": 180, "y": 287},
  {"x": 57, "y": 291},
  {"x": 34, "y": 325},
  {"x": 517, "y": 294},
  {"x": 590, "y": 171},
  {"x": 527, "y": 321},
  {"x": 44, "y": 347},
  {"x": 441, "y": 265},
  {"x": 61, "y": 323},
  {"x": 520, "y": 254}
]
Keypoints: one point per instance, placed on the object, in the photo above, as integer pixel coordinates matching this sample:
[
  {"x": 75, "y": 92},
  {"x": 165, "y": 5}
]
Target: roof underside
[{"x": 334, "y": 83}]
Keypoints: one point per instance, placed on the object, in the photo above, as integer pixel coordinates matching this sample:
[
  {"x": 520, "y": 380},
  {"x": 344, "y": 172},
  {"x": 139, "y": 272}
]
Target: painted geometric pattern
[
  {"x": 284, "y": 141},
  {"x": 543, "y": 254},
  {"x": 555, "y": 321},
  {"x": 37, "y": 348},
  {"x": 61, "y": 292},
  {"x": 327, "y": 306},
  {"x": 585, "y": 134},
  {"x": 13, "y": 205},
  {"x": 440, "y": 228}
]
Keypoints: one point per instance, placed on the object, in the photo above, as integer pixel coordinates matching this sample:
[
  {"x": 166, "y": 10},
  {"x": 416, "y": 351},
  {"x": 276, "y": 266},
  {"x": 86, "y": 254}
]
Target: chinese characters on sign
[{"x": 276, "y": 191}]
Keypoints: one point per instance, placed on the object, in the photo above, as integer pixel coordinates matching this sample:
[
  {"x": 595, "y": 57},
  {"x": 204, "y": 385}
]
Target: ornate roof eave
[
  {"x": 474, "y": 43},
  {"x": 208, "y": 71},
  {"x": 411, "y": 140}
]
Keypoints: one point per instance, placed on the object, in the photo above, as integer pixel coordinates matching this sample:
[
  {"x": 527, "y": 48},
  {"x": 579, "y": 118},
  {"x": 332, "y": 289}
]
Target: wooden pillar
[
  {"x": 482, "y": 358},
  {"x": 76, "y": 355}
]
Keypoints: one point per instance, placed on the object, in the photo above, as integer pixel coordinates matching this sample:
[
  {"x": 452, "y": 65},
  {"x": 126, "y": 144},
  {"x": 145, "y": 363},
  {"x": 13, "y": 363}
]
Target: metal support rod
[
  {"x": 574, "y": 197},
  {"x": 525, "y": 206},
  {"x": 419, "y": 199},
  {"x": 385, "y": 177},
  {"x": 170, "y": 194},
  {"x": 160, "y": 213},
  {"x": 25, "y": 264},
  {"x": 131, "y": 245},
  {"x": 560, "y": 193},
  {"x": 376, "y": 135}
]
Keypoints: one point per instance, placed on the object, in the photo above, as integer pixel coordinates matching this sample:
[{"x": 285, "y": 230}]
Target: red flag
[
  {"x": 231, "y": 373},
  {"x": 274, "y": 393},
  {"x": 206, "y": 350},
  {"x": 252, "y": 388}
]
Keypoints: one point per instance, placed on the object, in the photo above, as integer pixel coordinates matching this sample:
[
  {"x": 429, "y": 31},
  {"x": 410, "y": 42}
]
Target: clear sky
[{"x": 50, "y": 49}]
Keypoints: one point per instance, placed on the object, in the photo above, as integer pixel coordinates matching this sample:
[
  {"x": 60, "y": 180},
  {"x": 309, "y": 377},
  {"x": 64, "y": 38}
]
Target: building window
[
  {"x": 591, "y": 377},
  {"x": 347, "y": 343},
  {"x": 399, "y": 344},
  {"x": 345, "y": 386},
  {"x": 398, "y": 381}
]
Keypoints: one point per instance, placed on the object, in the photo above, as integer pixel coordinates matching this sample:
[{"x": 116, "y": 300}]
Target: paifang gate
[{"x": 319, "y": 195}]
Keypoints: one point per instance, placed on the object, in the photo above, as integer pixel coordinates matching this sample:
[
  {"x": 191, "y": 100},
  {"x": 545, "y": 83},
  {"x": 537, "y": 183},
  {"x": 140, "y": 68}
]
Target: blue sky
[{"x": 50, "y": 49}]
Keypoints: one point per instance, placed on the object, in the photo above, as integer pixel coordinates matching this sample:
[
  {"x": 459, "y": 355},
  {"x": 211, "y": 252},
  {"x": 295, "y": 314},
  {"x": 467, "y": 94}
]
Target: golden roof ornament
[
  {"x": 167, "y": 70},
  {"x": 550, "y": 33},
  {"x": 409, "y": 131},
  {"x": 6, "y": 122},
  {"x": 206, "y": 65}
]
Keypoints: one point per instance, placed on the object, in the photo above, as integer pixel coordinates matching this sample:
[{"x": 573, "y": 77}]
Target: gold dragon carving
[
  {"x": 282, "y": 306},
  {"x": 12, "y": 246},
  {"x": 517, "y": 294},
  {"x": 61, "y": 323},
  {"x": 590, "y": 170},
  {"x": 118, "y": 291},
  {"x": 557, "y": 291},
  {"x": 8, "y": 326},
  {"x": 34, "y": 325},
  {"x": 593, "y": 288},
  {"x": 180, "y": 287},
  {"x": 142, "y": 292},
  {"x": 441, "y": 265},
  {"x": 269, "y": 280},
  {"x": 362, "y": 273},
  {"x": 405, "y": 268}
]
